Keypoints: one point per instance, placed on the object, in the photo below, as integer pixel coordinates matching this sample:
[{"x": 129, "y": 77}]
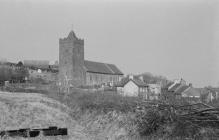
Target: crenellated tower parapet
[{"x": 72, "y": 38}]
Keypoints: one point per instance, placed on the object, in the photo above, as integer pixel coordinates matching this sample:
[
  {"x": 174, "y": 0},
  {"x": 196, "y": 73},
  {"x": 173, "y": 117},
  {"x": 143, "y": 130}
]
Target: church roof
[{"x": 103, "y": 68}]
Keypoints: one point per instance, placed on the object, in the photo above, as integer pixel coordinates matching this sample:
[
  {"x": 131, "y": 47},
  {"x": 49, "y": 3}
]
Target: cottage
[
  {"x": 155, "y": 88},
  {"x": 191, "y": 92},
  {"x": 154, "y": 91},
  {"x": 180, "y": 90},
  {"x": 209, "y": 94},
  {"x": 132, "y": 86}
]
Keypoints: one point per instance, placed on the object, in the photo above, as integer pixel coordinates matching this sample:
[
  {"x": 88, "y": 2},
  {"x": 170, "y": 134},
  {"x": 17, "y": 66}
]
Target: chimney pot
[
  {"x": 131, "y": 77},
  {"x": 190, "y": 84},
  {"x": 141, "y": 78}
]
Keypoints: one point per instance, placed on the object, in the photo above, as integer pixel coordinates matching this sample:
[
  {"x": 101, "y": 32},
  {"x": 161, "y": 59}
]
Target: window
[
  {"x": 101, "y": 78},
  {"x": 96, "y": 76},
  {"x": 90, "y": 77}
]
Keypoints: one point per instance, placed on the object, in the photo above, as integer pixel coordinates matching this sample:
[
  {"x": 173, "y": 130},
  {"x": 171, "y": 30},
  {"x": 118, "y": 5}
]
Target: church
[{"x": 75, "y": 71}]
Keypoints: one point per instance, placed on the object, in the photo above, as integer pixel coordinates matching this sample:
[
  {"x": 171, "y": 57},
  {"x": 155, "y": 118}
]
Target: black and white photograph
[{"x": 109, "y": 69}]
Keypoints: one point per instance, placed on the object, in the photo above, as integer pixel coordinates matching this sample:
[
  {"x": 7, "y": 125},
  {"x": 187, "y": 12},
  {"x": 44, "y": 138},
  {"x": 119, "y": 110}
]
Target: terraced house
[
  {"x": 76, "y": 71},
  {"x": 180, "y": 90}
]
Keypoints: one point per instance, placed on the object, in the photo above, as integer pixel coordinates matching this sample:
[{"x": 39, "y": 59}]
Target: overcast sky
[{"x": 173, "y": 38}]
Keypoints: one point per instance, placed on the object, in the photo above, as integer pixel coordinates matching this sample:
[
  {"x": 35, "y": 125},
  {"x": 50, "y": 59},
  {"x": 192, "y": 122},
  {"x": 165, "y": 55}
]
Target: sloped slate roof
[
  {"x": 103, "y": 68},
  {"x": 115, "y": 69},
  {"x": 122, "y": 82},
  {"x": 206, "y": 90},
  {"x": 174, "y": 87},
  {"x": 181, "y": 89},
  {"x": 168, "y": 85},
  {"x": 137, "y": 81},
  {"x": 216, "y": 89},
  {"x": 192, "y": 92},
  {"x": 213, "y": 90}
]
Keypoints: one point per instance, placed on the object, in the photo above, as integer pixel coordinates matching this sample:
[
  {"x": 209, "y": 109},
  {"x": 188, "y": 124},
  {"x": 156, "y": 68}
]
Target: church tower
[{"x": 71, "y": 61}]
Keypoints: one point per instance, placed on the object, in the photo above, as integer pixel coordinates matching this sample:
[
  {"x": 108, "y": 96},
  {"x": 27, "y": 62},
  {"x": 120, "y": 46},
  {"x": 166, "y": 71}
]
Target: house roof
[
  {"x": 212, "y": 90},
  {"x": 174, "y": 88},
  {"x": 192, "y": 92},
  {"x": 103, "y": 68},
  {"x": 137, "y": 81},
  {"x": 202, "y": 90},
  {"x": 181, "y": 89},
  {"x": 122, "y": 82},
  {"x": 168, "y": 85},
  {"x": 216, "y": 89}
]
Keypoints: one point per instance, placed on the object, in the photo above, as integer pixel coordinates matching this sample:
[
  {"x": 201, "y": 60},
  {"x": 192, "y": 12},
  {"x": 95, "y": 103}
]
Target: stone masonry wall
[{"x": 71, "y": 61}]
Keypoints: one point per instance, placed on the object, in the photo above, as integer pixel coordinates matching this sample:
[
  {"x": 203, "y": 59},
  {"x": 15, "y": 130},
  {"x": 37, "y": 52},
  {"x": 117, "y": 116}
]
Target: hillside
[
  {"x": 87, "y": 116},
  {"x": 25, "y": 110},
  {"x": 103, "y": 116}
]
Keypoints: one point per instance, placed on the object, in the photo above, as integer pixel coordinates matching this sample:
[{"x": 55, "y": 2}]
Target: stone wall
[
  {"x": 71, "y": 61},
  {"x": 97, "y": 78}
]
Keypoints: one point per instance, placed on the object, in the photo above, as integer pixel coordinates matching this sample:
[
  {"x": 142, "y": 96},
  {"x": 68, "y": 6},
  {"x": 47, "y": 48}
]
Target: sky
[{"x": 173, "y": 38}]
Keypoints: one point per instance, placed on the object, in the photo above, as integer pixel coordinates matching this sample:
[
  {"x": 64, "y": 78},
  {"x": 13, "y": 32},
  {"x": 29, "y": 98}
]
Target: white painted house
[
  {"x": 132, "y": 86},
  {"x": 155, "y": 88},
  {"x": 155, "y": 91}
]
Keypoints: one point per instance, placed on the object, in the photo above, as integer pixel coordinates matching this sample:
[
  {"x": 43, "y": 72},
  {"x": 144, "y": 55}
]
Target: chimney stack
[
  {"x": 141, "y": 78},
  {"x": 190, "y": 84},
  {"x": 131, "y": 77}
]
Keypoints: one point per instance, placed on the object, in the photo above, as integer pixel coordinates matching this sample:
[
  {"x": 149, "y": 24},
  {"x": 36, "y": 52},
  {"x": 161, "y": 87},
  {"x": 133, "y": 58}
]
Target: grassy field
[
  {"x": 89, "y": 116},
  {"x": 32, "y": 110},
  {"x": 103, "y": 115}
]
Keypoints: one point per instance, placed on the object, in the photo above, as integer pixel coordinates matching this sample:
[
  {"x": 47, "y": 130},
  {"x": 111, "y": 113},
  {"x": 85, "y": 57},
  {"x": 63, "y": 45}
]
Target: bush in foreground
[
  {"x": 94, "y": 108},
  {"x": 99, "y": 101}
]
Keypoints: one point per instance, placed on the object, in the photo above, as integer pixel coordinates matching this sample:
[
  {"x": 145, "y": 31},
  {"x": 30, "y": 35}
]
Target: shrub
[
  {"x": 102, "y": 101},
  {"x": 185, "y": 129},
  {"x": 149, "y": 122}
]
